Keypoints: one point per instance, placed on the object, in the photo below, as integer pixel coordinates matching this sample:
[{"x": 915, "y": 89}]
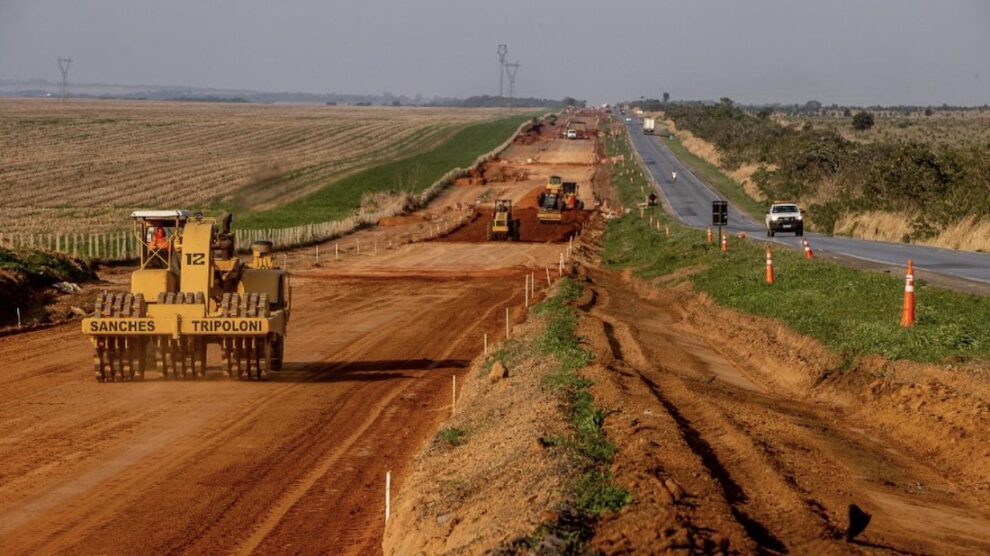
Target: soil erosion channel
[{"x": 296, "y": 464}]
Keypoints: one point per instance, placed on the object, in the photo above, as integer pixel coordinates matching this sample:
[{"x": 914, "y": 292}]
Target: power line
[
  {"x": 63, "y": 64},
  {"x": 503, "y": 51},
  {"x": 511, "y": 70}
]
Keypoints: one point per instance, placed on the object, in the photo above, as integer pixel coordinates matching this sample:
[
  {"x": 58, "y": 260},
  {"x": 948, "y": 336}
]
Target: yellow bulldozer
[
  {"x": 190, "y": 291},
  {"x": 502, "y": 225}
]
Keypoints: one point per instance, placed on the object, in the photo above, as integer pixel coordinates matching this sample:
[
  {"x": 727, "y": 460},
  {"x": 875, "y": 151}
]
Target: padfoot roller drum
[{"x": 189, "y": 292}]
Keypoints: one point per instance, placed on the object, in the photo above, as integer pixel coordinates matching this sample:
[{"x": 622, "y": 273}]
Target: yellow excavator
[{"x": 191, "y": 290}]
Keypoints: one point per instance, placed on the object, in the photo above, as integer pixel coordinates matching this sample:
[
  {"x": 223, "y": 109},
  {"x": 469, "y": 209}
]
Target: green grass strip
[{"x": 342, "y": 198}]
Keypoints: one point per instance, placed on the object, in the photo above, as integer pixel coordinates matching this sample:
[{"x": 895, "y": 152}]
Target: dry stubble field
[{"x": 67, "y": 165}]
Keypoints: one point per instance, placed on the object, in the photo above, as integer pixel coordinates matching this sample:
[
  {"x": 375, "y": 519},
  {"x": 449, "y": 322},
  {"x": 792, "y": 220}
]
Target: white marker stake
[
  {"x": 548, "y": 276},
  {"x": 18, "y": 317},
  {"x": 388, "y": 495},
  {"x": 506, "y": 322},
  {"x": 317, "y": 254},
  {"x": 359, "y": 246},
  {"x": 336, "y": 251},
  {"x": 526, "y": 292},
  {"x": 453, "y": 394},
  {"x": 486, "y": 343}
]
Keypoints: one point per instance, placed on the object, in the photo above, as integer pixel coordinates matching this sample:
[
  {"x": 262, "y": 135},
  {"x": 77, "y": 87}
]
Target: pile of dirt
[
  {"x": 530, "y": 228},
  {"x": 402, "y": 220},
  {"x": 31, "y": 282},
  {"x": 499, "y": 171},
  {"x": 532, "y": 135}
]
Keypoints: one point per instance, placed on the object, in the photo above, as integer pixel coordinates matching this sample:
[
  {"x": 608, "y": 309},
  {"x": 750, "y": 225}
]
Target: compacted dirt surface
[{"x": 293, "y": 465}]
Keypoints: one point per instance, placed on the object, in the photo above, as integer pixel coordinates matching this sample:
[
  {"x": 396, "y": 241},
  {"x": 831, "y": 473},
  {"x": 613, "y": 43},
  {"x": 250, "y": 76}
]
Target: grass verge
[
  {"x": 342, "y": 198},
  {"x": 593, "y": 494},
  {"x": 852, "y": 312}
]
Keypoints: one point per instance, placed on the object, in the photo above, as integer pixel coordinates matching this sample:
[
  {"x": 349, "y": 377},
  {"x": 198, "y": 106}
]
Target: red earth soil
[{"x": 530, "y": 228}]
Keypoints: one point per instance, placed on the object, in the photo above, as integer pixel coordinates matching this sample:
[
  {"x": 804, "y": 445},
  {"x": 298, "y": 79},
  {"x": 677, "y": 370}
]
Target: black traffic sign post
[{"x": 720, "y": 216}]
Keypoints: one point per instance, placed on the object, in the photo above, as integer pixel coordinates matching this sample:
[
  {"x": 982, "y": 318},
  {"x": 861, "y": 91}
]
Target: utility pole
[
  {"x": 510, "y": 70},
  {"x": 63, "y": 64},
  {"x": 503, "y": 51}
]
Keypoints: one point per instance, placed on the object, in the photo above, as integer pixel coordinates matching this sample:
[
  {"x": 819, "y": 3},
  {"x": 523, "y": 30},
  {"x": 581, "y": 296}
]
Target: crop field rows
[{"x": 88, "y": 163}]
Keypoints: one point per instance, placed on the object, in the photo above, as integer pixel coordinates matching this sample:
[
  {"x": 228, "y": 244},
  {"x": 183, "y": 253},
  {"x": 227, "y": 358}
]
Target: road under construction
[{"x": 764, "y": 459}]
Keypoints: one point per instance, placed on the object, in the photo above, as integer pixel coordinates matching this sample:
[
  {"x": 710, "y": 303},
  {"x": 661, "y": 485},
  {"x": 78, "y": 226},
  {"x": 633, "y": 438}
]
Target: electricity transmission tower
[
  {"x": 503, "y": 51},
  {"x": 63, "y": 64},
  {"x": 510, "y": 71}
]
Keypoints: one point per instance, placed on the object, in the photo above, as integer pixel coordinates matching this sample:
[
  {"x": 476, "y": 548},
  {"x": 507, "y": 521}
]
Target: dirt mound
[
  {"x": 530, "y": 228},
  {"x": 501, "y": 172},
  {"x": 402, "y": 220}
]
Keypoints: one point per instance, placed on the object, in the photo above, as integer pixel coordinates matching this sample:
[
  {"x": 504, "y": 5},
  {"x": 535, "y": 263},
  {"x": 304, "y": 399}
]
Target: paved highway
[{"x": 691, "y": 200}]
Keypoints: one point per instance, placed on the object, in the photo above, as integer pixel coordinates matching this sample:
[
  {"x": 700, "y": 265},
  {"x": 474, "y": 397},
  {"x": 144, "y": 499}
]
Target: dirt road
[
  {"x": 215, "y": 465},
  {"x": 296, "y": 464},
  {"x": 763, "y": 467}
]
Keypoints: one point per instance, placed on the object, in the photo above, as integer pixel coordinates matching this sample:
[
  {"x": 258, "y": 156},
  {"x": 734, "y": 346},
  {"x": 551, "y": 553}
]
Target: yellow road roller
[{"x": 191, "y": 290}]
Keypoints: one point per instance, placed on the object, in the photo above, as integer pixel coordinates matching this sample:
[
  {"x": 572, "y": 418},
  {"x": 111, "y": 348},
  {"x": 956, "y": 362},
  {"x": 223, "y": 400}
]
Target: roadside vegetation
[
  {"x": 589, "y": 451},
  {"x": 412, "y": 175},
  {"x": 853, "y": 312},
  {"x": 26, "y": 280},
  {"x": 934, "y": 185}
]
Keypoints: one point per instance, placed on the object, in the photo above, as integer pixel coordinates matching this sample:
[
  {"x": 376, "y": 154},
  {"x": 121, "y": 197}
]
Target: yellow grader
[{"x": 191, "y": 290}]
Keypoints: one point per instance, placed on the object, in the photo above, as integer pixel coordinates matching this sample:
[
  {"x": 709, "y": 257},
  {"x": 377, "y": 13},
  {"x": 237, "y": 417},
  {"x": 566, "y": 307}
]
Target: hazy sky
[{"x": 863, "y": 52}]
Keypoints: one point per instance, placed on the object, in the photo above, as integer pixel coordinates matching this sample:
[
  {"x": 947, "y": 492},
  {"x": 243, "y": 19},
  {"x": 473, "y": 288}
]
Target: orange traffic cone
[
  {"x": 708, "y": 236},
  {"x": 667, "y": 230},
  {"x": 769, "y": 265},
  {"x": 907, "y": 313},
  {"x": 725, "y": 243},
  {"x": 808, "y": 253}
]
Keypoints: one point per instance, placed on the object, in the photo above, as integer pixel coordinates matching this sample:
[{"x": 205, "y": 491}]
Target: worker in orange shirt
[{"x": 159, "y": 241}]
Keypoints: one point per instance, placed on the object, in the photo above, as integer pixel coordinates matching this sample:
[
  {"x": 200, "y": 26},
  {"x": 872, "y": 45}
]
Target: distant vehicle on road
[
  {"x": 784, "y": 217},
  {"x": 628, "y": 119},
  {"x": 572, "y": 134},
  {"x": 649, "y": 124}
]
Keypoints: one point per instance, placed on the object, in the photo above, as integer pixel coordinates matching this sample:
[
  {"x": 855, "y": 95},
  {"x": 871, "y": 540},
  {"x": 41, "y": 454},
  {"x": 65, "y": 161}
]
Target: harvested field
[{"x": 89, "y": 163}]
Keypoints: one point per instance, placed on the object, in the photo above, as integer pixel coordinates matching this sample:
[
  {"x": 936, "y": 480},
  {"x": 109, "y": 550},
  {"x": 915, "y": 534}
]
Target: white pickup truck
[{"x": 784, "y": 217}]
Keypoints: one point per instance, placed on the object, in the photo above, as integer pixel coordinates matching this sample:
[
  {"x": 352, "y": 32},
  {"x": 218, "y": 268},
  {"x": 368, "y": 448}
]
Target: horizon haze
[{"x": 885, "y": 52}]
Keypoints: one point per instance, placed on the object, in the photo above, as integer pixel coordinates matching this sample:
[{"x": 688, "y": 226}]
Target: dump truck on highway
[
  {"x": 191, "y": 290},
  {"x": 649, "y": 125},
  {"x": 503, "y": 226}
]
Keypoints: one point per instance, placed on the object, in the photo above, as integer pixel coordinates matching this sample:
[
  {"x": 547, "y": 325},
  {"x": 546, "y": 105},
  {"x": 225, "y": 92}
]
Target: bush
[
  {"x": 451, "y": 437},
  {"x": 862, "y": 121},
  {"x": 943, "y": 184}
]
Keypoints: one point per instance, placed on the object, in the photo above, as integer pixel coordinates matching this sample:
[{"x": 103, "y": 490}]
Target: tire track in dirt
[
  {"x": 249, "y": 432},
  {"x": 786, "y": 467},
  {"x": 378, "y": 416}
]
